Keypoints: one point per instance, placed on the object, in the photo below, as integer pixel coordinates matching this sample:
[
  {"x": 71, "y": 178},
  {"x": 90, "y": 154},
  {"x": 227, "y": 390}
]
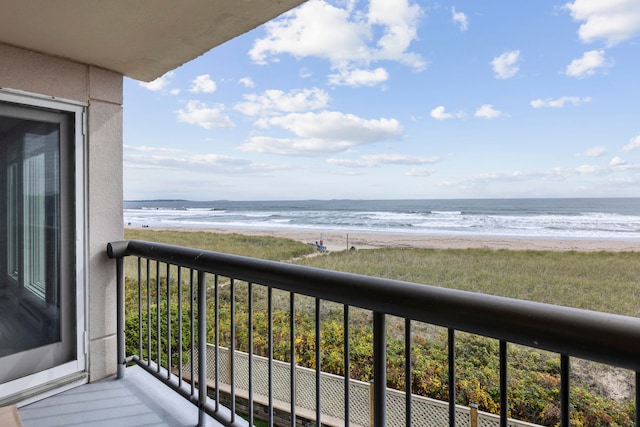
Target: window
[{"x": 39, "y": 314}]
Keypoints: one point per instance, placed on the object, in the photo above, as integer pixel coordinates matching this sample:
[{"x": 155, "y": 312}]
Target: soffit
[{"x": 142, "y": 39}]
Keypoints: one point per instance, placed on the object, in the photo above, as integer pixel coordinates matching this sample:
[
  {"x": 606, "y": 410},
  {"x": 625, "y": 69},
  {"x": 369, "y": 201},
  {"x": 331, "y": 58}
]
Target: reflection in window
[{"x": 29, "y": 291}]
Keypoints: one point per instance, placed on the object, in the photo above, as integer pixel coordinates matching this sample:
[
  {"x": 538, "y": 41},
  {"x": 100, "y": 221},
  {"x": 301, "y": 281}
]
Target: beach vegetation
[
  {"x": 599, "y": 281},
  {"x": 263, "y": 247},
  {"x": 594, "y": 281}
]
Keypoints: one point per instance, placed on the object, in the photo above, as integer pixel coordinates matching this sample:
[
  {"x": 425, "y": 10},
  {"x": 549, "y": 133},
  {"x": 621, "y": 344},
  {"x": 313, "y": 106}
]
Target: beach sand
[{"x": 338, "y": 241}]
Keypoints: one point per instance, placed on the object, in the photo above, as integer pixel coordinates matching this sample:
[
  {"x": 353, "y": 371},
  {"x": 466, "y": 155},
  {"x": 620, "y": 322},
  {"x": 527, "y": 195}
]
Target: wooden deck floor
[{"x": 138, "y": 399}]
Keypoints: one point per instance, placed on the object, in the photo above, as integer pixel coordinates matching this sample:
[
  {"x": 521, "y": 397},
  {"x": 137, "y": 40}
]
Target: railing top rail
[{"x": 602, "y": 337}]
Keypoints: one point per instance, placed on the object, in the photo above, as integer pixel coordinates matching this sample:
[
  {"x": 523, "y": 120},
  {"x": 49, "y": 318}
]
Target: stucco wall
[{"x": 101, "y": 90}]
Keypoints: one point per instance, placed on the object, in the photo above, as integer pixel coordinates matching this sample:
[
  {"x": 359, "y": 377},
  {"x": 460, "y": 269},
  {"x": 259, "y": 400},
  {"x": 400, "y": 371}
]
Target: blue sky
[{"x": 392, "y": 99}]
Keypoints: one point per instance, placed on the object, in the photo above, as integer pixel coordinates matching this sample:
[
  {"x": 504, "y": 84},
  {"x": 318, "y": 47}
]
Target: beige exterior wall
[{"x": 101, "y": 90}]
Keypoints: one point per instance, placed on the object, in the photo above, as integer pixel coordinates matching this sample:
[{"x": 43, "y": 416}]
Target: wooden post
[{"x": 474, "y": 415}]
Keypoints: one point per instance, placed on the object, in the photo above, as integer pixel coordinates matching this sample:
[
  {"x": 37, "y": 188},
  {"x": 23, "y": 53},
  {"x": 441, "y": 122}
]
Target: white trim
[
  {"x": 38, "y": 100},
  {"x": 81, "y": 363},
  {"x": 62, "y": 385}
]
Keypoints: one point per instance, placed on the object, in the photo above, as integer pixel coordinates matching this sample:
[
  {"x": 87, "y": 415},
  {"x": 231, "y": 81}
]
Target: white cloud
[
  {"x": 616, "y": 165},
  {"x": 275, "y": 101},
  {"x": 420, "y": 172},
  {"x": 617, "y": 161},
  {"x": 354, "y": 39},
  {"x": 332, "y": 125},
  {"x": 359, "y": 77},
  {"x": 324, "y": 132},
  {"x": 440, "y": 113},
  {"x": 399, "y": 21},
  {"x": 553, "y": 174},
  {"x": 460, "y": 19},
  {"x": 560, "y": 102},
  {"x": 184, "y": 161},
  {"x": 203, "y": 84},
  {"x": 611, "y": 21},
  {"x": 588, "y": 65},
  {"x": 487, "y": 111},
  {"x": 292, "y": 146},
  {"x": 399, "y": 159},
  {"x": 506, "y": 66},
  {"x": 373, "y": 160},
  {"x": 589, "y": 169},
  {"x": 349, "y": 163},
  {"x": 247, "y": 82},
  {"x": 148, "y": 149},
  {"x": 303, "y": 32},
  {"x": 158, "y": 84},
  {"x": 634, "y": 144},
  {"x": 594, "y": 152},
  {"x": 199, "y": 113}
]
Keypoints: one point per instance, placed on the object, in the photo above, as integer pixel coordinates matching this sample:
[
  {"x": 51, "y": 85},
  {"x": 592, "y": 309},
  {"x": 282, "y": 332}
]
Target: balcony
[
  {"x": 137, "y": 399},
  {"x": 236, "y": 387}
]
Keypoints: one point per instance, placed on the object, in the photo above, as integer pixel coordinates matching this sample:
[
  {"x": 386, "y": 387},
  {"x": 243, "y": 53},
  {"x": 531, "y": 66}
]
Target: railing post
[
  {"x": 564, "y": 390},
  {"x": 202, "y": 348},
  {"x": 372, "y": 408},
  {"x": 504, "y": 382},
  {"x": 452, "y": 376},
  {"x": 120, "y": 349},
  {"x": 379, "y": 370},
  {"x": 637, "y": 402}
]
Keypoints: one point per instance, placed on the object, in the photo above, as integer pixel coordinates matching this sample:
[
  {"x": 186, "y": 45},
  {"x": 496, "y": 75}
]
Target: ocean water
[{"x": 587, "y": 218}]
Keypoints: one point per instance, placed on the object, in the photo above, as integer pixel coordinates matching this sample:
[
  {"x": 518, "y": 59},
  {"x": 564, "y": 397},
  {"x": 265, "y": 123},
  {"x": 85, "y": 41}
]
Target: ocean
[{"x": 584, "y": 218}]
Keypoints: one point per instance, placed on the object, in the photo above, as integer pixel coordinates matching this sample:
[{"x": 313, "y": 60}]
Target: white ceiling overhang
[{"x": 142, "y": 39}]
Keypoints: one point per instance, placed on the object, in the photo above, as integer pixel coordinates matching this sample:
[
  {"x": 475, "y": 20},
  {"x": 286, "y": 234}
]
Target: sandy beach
[{"x": 338, "y": 241}]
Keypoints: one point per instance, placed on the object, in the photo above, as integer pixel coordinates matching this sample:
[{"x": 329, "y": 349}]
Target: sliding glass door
[{"x": 38, "y": 295}]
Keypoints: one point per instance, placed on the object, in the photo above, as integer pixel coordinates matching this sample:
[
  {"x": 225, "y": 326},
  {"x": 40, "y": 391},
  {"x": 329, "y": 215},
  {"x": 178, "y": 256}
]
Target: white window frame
[{"x": 76, "y": 371}]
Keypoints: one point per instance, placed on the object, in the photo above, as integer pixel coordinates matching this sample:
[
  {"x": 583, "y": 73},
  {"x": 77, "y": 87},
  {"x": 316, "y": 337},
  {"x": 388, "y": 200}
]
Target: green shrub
[{"x": 586, "y": 280}]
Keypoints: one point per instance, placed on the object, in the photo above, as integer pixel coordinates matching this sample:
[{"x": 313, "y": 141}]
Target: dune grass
[
  {"x": 264, "y": 247},
  {"x": 600, "y": 281}
]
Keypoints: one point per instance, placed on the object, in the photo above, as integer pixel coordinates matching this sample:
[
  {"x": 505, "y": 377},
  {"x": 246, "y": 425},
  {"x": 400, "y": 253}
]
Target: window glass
[{"x": 36, "y": 293}]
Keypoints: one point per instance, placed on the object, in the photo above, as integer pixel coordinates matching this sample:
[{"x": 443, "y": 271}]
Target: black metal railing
[{"x": 600, "y": 337}]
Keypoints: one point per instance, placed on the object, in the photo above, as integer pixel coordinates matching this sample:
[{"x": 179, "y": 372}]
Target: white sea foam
[{"x": 548, "y": 218}]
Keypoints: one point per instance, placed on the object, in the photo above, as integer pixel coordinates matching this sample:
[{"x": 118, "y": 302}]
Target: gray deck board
[{"x": 138, "y": 399}]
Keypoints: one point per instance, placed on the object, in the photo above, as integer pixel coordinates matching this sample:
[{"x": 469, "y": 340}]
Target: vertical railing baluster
[
  {"x": 148, "y": 312},
  {"x": 140, "y": 308},
  {"x": 120, "y": 339},
  {"x": 169, "y": 353},
  {"x": 158, "y": 330},
  {"x": 379, "y": 369},
  {"x": 504, "y": 392},
  {"x": 565, "y": 369},
  {"x": 232, "y": 350},
  {"x": 408, "y": 378},
  {"x": 270, "y": 349},
  {"x": 347, "y": 365},
  {"x": 216, "y": 339},
  {"x": 179, "y": 326},
  {"x": 192, "y": 337},
  {"x": 452, "y": 377},
  {"x": 202, "y": 347},
  {"x": 318, "y": 364},
  {"x": 292, "y": 357},
  {"x": 637, "y": 399},
  {"x": 250, "y": 345}
]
